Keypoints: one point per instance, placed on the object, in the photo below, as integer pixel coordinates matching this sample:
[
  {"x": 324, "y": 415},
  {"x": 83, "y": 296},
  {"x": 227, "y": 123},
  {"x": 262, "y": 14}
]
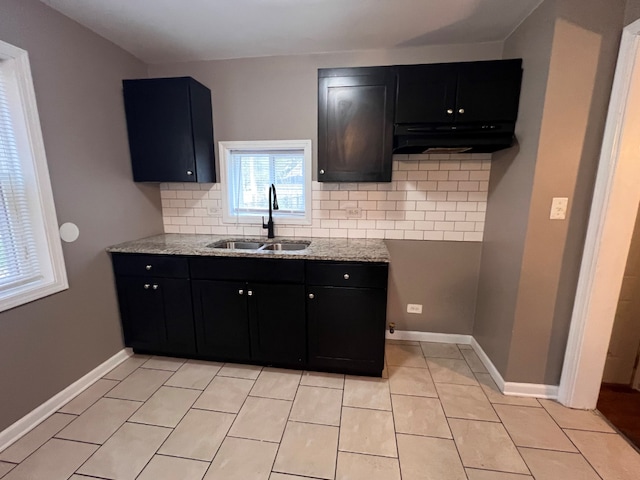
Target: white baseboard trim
[
  {"x": 536, "y": 390},
  {"x": 429, "y": 337},
  {"x": 508, "y": 388},
  {"x": 31, "y": 420}
]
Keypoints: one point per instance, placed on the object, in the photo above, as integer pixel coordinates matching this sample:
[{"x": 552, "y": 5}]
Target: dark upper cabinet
[
  {"x": 170, "y": 127},
  {"x": 355, "y": 124},
  {"x": 471, "y": 92}
]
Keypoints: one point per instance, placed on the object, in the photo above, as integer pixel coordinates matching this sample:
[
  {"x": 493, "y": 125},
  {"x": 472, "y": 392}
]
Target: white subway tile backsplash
[
  {"x": 417, "y": 215},
  {"x": 455, "y": 236},
  {"x": 416, "y": 195},
  {"x": 431, "y": 197},
  {"x": 455, "y": 216},
  {"x": 413, "y": 235},
  {"x": 394, "y": 215}
]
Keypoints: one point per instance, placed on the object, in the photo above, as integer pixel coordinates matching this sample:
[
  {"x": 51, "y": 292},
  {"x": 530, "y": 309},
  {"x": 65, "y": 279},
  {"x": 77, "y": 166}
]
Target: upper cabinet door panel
[
  {"x": 355, "y": 127},
  {"x": 170, "y": 130},
  {"x": 426, "y": 93},
  {"x": 489, "y": 91}
]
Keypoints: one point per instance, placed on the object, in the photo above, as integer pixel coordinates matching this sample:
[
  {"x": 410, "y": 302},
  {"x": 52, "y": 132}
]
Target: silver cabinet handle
[
  {"x": 321, "y": 172},
  {"x": 146, "y": 286},
  {"x": 250, "y": 293},
  {"x": 312, "y": 296},
  {"x": 461, "y": 110},
  {"x": 148, "y": 267},
  {"x": 346, "y": 276},
  {"x": 450, "y": 111},
  {"x": 240, "y": 292},
  {"x": 189, "y": 172},
  {"x": 155, "y": 286}
]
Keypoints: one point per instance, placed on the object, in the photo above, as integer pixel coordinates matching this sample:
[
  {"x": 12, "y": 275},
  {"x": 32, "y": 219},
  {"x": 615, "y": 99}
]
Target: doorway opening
[{"x": 619, "y": 399}]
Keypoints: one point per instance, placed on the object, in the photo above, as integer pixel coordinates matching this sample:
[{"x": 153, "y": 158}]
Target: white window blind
[
  {"x": 248, "y": 168},
  {"x": 18, "y": 250},
  {"x": 252, "y": 172}
]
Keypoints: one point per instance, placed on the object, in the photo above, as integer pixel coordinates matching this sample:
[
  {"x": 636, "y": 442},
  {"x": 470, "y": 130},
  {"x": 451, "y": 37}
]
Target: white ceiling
[{"x": 161, "y": 31}]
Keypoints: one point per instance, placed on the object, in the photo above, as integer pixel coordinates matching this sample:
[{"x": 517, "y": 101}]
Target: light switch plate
[{"x": 559, "y": 208}]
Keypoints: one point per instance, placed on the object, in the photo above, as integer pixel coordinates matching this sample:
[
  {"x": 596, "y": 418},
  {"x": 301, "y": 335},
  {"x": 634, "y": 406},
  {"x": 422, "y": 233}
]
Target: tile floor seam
[
  {"x": 453, "y": 439},
  {"x": 564, "y": 433},
  {"x": 43, "y": 444},
  {"x": 393, "y": 421},
  {"x": 275, "y": 457},
  {"x": 344, "y": 384},
  {"x": 119, "y": 427}
]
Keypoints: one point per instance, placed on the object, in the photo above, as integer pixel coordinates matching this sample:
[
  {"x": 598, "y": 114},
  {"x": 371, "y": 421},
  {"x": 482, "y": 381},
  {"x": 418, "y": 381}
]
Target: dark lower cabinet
[
  {"x": 156, "y": 314},
  {"x": 278, "y": 326},
  {"x": 346, "y": 314},
  {"x": 289, "y": 313},
  {"x": 221, "y": 319},
  {"x": 346, "y": 329}
]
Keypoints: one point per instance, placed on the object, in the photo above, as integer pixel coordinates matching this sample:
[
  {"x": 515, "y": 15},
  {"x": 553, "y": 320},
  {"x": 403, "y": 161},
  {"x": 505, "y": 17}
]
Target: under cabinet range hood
[{"x": 457, "y": 107}]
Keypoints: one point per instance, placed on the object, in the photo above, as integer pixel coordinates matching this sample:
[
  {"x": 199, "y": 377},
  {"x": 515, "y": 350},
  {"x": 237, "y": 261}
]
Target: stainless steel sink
[
  {"x": 231, "y": 245},
  {"x": 286, "y": 246}
]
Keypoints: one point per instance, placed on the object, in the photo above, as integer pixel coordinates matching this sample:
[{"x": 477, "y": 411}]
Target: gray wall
[
  {"x": 526, "y": 296},
  {"x": 50, "y": 343},
  {"x": 442, "y": 276},
  {"x": 276, "y": 98}
]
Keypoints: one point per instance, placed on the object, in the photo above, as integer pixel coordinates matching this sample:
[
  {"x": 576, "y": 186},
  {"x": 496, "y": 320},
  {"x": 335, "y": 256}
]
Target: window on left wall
[{"x": 31, "y": 260}]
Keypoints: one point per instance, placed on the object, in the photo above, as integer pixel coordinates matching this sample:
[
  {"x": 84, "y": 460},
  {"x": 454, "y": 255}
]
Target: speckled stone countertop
[{"x": 336, "y": 249}]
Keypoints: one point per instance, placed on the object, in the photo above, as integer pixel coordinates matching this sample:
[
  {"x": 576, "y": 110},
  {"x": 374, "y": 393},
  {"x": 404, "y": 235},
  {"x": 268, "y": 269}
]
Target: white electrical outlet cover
[{"x": 559, "y": 208}]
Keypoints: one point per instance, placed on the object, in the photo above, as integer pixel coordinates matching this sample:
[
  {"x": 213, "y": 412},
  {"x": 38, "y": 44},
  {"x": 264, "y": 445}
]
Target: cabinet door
[
  {"x": 489, "y": 91},
  {"x": 221, "y": 318},
  {"x": 355, "y": 126},
  {"x": 346, "y": 328},
  {"x": 426, "y": 94},
  {"x": 156, "y": 314},
  {"x": 278, "y": 324}
]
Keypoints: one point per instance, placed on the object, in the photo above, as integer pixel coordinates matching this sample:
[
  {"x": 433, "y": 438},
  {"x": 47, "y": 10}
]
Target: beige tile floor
[{"x": 436, "y": 415}]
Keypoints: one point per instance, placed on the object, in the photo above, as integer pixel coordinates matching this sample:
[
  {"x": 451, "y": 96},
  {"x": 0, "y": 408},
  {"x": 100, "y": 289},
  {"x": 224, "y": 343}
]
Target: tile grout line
[
  {"x": 273, "y": 464},
  {"x": 453, "y": 438},
  {"x": 127, "y": 421}
]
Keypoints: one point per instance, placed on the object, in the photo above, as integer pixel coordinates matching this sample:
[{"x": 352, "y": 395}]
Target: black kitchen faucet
[{"x": 269, "y": 224}]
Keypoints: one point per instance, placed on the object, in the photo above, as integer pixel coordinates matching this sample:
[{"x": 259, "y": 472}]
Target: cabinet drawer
[
  {"x": 150, "y": 265},
  {"x": 248, "y": 269},
  {"x": 372, "y": 275}
]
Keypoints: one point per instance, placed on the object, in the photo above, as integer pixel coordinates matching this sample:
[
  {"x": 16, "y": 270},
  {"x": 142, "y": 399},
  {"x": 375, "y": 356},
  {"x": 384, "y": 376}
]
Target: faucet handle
[{"x": 264, "y": 225}]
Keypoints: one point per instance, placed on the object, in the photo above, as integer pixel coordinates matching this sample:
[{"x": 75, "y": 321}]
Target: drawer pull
[
  {"x": 155, "y": 286},
  {"x": 240, "y": 292},
  {"x": 312, "y": 296},
  {"x": 346, "y": 276},
  {"x": 148, "y": 267},
  {"x": 146, "y": 286}
]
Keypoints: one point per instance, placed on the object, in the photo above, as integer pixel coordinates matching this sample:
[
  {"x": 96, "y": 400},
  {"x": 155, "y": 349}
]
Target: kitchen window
[
  {"x": 31, "y": 261},
  {"x": 250, "y": 168}
]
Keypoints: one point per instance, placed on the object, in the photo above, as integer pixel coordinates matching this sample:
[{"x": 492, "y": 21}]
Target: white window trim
[
  {"x": 225, "y": 148},
  {"x": 40, "y": 194}
]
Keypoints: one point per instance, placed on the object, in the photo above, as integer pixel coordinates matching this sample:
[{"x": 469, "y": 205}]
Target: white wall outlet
[
  {"x": 214, "y": 211},
  {"x": 353, "y": 212},
  {"x": 559, "y": 208},
  {"x": 414, "y": 308}
]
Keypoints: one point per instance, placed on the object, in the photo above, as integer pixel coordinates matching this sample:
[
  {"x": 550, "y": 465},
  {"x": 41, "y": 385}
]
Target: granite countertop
[{"x": 336, "y": 249}]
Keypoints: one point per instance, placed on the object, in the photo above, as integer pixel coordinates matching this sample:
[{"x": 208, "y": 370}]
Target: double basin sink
[{"x": 259, "y": 246}]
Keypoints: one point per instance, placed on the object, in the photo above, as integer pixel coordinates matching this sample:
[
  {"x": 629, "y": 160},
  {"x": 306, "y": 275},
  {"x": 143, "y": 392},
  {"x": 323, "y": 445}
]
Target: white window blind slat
[
  {"x": 251, "y": 173},
  {"x": 18, "y": 250}
]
